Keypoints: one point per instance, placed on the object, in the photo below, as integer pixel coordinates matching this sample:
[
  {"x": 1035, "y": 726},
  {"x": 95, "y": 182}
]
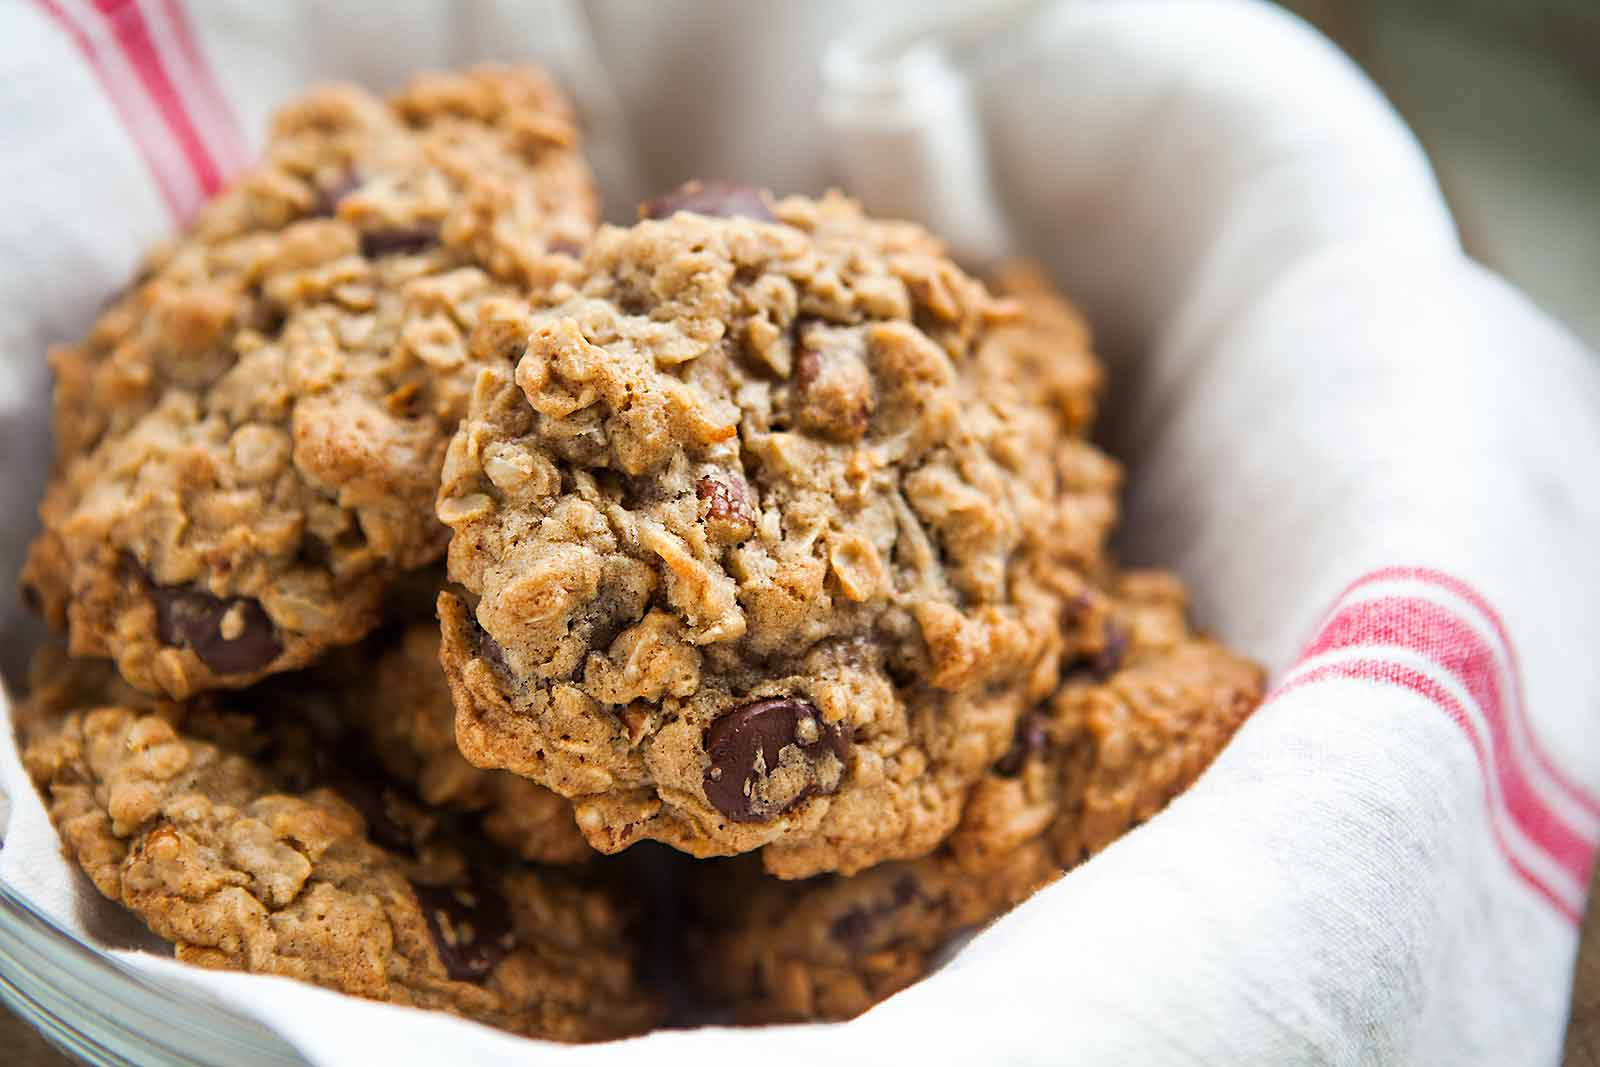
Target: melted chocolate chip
[
  {"x": 1109, "y": 659},
  {"x": 471, "y": 928},
  {"x": 745, "y": 746},
  {"x": 1029, "y": 741},
  {"x": 373, "y": 802},
  {"x": 364, "y": 789},
  {"x": 399, "y": 241},
  {"x": 341, "y": 759},
  {"x": 851, "y": 929},
  {"x": 231, "y": 635},
  {"x": 718, "y": 199}
]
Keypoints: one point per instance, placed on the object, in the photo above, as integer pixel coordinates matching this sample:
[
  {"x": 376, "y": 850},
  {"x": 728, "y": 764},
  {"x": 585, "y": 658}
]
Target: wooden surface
[{"x": 1583, "y": 1031}]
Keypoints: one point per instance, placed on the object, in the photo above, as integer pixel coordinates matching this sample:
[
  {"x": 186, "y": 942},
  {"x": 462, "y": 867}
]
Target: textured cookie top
[
  {"x": 1104, "y": 754},
  {"x": 252, "y": 847},
  {"x": 771, "y": 535},
  {"x": 249, "y": 438}
]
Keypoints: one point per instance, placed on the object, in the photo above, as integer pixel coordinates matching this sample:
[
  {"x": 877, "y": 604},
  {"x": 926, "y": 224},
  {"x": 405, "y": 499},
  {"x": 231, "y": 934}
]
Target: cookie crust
[
  {"x": 249, "y": 439},
  {"x": 793, "y": 469}
]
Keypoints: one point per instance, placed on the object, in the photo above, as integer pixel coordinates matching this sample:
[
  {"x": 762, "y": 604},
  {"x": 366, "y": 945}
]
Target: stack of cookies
[{"x": 420, "y": 545}]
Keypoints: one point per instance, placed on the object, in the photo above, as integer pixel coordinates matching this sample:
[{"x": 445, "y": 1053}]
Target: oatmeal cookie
[
  {"x": 238, "y": 839},
  {"x": 248, "y": 441},
  {"x": 768, "y": 537},
  {"x": 390, "y": 689},
  {"x": 1101, "y": 756}
]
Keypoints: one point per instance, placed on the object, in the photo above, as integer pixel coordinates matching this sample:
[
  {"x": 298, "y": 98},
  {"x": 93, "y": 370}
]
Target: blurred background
[{"x": 1505, "y": 96}]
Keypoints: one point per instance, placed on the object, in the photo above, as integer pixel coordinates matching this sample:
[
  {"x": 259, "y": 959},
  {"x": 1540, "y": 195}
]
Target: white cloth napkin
[{"x": 1312, "y": 384}]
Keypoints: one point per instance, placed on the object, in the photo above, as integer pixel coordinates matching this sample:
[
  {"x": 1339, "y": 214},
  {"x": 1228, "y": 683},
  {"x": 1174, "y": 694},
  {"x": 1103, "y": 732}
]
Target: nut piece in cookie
[
  {"x": 1104, "y": 754},
  {"x": 251, "y": 847},
  {"x": 249, "y": 438},
  {"x": 767, "y": 533}
]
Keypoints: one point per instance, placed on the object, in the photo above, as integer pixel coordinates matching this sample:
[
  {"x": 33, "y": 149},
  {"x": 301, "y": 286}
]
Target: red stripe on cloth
[
  {"x": 1387, "y": 673},
  {"x": 126, "y": 23},
  {"x": 1451, "y": 584},
  {"x": 229, "y": 148},
  {"x": 173, "y": 190},
  {"x": 1431, "y": 630}
]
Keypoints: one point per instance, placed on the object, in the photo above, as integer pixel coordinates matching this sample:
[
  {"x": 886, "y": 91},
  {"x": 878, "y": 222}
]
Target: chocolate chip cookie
[
  {"x": 249, "y": 438},
  {"x": 1103, "y": 754},
  {"x": 250, "y": 846},
  {"x": 768, "y": 532},
  {"x": 391, "y": 691}
]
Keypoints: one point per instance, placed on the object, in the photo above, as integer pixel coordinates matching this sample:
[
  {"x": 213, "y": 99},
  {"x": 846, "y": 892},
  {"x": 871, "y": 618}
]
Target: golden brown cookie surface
[
  {"x": 251, "y": 846},
  {"x": 769, "y": 532},
  {"x": 249, "y": 439}
]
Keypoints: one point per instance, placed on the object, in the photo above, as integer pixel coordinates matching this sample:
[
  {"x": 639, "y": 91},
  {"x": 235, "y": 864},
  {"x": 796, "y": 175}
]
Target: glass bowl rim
[{"x": 102, "y": 1011}]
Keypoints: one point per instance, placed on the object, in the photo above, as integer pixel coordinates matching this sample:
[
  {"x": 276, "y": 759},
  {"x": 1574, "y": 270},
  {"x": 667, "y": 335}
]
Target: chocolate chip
[
  {"x": 718, "y": 199},
  {"x": 375, "y": 799},
  {"x": 851, "y": 929},
  {"x": 1030, "y": 740},
  {"x": 746, "y": 747},
  {"x": 725, "y": 506},
  {"x": 32, "y": 599},
  {"x": 400, "y": 240},
  {"x": 562, "y": 247},
  {"x": 1108, "y": 660},
  {"x": 471, "y": 928},
  {"x": 329, "y": 197},
  {"x": 341, "y": 760},
  {"x": 374, "y": 802},
  {"x": 231, "y": 635},
  {"x": 905, "y": 890}
]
